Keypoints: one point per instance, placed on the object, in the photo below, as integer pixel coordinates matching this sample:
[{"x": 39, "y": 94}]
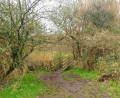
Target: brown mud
[{"x": 80, "y": 88}]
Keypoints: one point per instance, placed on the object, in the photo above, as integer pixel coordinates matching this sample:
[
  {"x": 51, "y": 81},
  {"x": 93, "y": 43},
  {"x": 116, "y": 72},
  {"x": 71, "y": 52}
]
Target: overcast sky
[{"x": 51, "y": 5}]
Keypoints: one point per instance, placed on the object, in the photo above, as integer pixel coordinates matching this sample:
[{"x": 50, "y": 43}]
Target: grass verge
[
  {"x": 84, "y": 74},
  {"x": 28, "y": 86},
  {"x": 112, "y": 88}
]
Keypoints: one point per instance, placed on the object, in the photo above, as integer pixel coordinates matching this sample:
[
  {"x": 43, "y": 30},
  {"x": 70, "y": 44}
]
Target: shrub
[
  {"x": 100, "y": 18},
  {"x": 109, "y": 70}
]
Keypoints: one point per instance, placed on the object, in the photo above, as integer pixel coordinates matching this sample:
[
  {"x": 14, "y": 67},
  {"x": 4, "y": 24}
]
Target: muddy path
[{"x": 80, "y": 88}]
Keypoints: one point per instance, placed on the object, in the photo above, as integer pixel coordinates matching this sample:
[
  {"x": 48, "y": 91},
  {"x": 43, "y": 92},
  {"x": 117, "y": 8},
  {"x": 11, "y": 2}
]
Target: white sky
[{"x": 51, "y": 5}]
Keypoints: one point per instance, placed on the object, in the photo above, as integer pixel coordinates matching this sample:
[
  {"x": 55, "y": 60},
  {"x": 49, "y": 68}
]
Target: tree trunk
[
  {"x": 10, "y": 70},
  {"x": 15, "y": 60},
  {"x": 78, "y": 50}
]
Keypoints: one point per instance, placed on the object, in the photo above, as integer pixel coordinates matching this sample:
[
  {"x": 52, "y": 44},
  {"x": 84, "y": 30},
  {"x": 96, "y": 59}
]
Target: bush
[
  {"x": 98, "y": 17},
  {"x": 108, "y": 70},
  {"x": 5, "y": 60},
  {"x": 45, "y": 60}
]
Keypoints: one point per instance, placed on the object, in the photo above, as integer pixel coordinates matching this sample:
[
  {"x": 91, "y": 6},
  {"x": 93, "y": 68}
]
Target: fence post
[{"x": 60, "y": 62}]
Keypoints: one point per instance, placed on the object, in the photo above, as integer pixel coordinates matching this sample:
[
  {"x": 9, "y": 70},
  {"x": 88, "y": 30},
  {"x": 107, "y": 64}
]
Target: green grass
[
  {"x": 67, "y": 77},
  {"x": 92, "y": 75},
  {"x": 62, "y": 55},
  {"x": 28, "y": 87},
  {"x": 112, "y": 88}
]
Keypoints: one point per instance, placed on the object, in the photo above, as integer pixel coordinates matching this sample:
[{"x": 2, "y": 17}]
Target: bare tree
[
  {"x": 86, "y": 38},
  {"x": 67, "y": 20}
]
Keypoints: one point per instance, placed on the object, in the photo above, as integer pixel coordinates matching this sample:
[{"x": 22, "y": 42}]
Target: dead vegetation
[{"x": 88, "y": 34}]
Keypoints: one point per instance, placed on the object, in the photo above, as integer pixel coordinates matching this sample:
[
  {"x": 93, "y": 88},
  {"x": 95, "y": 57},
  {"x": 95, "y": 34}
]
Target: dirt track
[{"x": 71, "y": 89}]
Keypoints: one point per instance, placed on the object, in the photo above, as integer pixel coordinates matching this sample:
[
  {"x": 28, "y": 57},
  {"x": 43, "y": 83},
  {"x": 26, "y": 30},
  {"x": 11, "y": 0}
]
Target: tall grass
[{"x": 47, "y": 56}]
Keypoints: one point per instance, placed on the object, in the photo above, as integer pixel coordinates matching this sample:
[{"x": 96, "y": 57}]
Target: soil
[{"x": 80, "y": 88}]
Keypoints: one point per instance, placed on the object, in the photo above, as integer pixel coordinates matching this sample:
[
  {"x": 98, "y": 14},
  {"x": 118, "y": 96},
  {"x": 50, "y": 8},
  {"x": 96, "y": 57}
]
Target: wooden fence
[{"x": 59, "y": 63}]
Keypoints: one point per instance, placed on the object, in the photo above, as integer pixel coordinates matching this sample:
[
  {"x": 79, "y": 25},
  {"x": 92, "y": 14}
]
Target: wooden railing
[
  {"x": 66, "y": 63},
  {"x": 59, "y": 63}
]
